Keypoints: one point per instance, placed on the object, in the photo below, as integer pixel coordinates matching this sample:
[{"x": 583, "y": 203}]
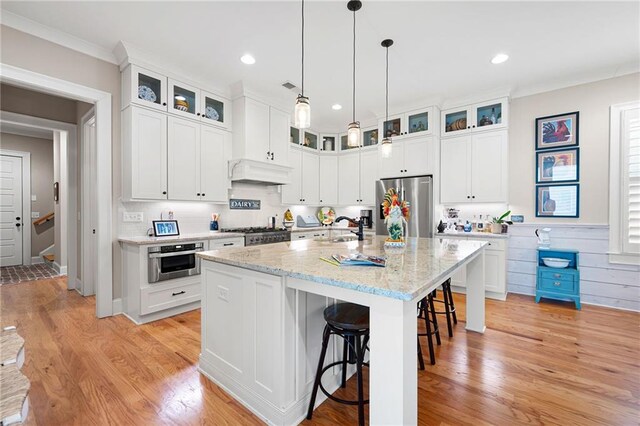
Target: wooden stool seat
[
  {"x": 14, "y": 391},
  {"x": 347, "y": 316}
]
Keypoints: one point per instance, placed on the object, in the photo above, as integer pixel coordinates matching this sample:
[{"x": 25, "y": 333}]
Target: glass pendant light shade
[
  {"x": 302, "y": 113},
  {"x": 386, "y": 148},
  {"x": 353, "y": 135}
]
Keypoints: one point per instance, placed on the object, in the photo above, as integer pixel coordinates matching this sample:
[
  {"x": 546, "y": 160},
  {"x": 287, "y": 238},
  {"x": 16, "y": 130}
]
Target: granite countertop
[
  {"x": 330, "y": 228},
  {"x": 425, "y": 262},
  {"x": 473, "y": 234},
  {"x": 209, "y": 235}
]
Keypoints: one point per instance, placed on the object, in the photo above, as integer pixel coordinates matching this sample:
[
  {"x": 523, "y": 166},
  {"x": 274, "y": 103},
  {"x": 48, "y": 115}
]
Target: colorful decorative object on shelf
[
  {"x": 326, "y": 216},
  {"x": 288, "y": 221},
  {"x": 396, "y": 215}
]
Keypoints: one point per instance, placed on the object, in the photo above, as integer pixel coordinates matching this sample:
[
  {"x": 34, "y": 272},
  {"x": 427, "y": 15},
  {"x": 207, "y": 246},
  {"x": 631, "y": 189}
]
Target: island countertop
[{"x": 424, "y": 262}]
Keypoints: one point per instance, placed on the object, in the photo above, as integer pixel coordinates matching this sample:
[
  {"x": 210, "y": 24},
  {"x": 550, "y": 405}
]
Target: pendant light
[
  {"x": 386, "y": 147},
  {"x": 353, "y": 131},
  {"x": 302, "y": 112}
]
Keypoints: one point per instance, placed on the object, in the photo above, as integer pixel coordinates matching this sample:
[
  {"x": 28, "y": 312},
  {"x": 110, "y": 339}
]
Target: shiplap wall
[{"x": 601, "y": 282}]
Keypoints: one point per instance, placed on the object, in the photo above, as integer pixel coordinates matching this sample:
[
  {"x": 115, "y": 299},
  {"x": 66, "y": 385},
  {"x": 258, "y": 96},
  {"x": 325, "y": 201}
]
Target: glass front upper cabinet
[
  {"x": 344, "y": 143},
  {"x": 183, "y": 99},
  {"x": 456, "y": 121},
  {"x": 328, "y": 143},
  {"x": 370, "y": 137},
  {"x": 294, "y": 135},
  {"x": 418, "y": 122},
  {"x": 392, "y": 127},
  {"x": 213, "y": 110},
  {"x": 491, "y": 114},
  {"x": 310, "y": 140},
  {"x": 147, "y": 88}
]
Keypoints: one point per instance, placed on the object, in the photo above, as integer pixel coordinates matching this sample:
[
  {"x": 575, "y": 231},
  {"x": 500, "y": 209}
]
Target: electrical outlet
[
  {"x": 35, "y": 215},
  {"x": 223, "y": 293},
  {"x": 132, "y": 217}
]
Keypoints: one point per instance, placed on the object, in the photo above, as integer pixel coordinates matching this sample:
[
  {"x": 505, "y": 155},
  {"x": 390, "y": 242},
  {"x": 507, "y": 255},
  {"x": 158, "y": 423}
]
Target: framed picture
[
  {"x": 562, "y": 165},
  {"x": 165, "y": 228},
  {"x": 556, "y": 131},
  {"x": 558, "y": 200}
]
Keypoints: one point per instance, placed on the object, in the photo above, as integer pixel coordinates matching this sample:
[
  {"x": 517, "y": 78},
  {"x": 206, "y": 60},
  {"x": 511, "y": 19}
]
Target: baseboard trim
[
  {"x": 62, "y": 270},
  {"x": 117, "y": 306},
  {"x": 36, "y": 259}
]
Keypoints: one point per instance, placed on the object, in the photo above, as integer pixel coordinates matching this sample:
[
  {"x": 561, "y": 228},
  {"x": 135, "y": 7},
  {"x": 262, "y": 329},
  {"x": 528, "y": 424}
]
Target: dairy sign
[{"x": 239, "y": 204}]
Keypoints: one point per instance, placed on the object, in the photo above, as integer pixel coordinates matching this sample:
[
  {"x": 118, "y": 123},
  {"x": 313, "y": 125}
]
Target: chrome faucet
[{"x": 358, "y": 221}]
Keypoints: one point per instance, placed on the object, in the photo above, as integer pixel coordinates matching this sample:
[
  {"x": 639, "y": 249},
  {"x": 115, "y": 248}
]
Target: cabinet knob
[
  {"x": 468, "y": 196},
  {"x": 164, "y": 104},
  {"x": 203, "y": 194},
  {"x": 474, "y": 126},
  {"x": 164, "y": 192},
  {"x": 198, "y": 114},
  {"x": 468, "y": 127},
  {"x": 557, "y": 275},
  {"x": 273, "y": 155},
  {"x": 473, "y": 196},
  {"x": 198, "y": 194}
]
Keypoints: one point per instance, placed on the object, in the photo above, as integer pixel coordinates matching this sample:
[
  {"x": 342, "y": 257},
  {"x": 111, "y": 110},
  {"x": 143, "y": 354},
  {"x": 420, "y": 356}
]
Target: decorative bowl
[
  {"x": 554, "y": 262},
  {"x": 146, "y": 93},
  {"x": 288, "y": 223},
  {"x": 181, "y": 105}
]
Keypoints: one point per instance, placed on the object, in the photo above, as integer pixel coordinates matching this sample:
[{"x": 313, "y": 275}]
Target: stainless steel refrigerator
[{"x": 418, "y": 191}]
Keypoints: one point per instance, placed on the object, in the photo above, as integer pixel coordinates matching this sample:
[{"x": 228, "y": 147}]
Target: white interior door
[
  {"x": 10, "y": 210},
  {"x": 89, "y": 276}
]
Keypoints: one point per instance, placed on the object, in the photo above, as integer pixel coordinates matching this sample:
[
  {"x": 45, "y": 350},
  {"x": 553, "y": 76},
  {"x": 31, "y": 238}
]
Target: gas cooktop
[
  {"x": 254, "y": 230},
  {"x": 257, "y": 235}
]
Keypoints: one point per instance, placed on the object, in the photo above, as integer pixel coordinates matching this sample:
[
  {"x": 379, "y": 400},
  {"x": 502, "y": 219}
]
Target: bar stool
[
  {"x": 426, "y": 308},
  {"x": 351, "y": 322},
  {"x": 449, "y": 306}
]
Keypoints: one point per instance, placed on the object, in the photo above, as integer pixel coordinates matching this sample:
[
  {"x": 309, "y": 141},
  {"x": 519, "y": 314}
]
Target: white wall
[{"x": 593, "y": 101}]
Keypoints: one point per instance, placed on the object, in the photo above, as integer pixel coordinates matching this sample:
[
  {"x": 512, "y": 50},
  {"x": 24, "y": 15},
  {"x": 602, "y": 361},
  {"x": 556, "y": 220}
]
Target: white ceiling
[{"x": 442, "y": 50}]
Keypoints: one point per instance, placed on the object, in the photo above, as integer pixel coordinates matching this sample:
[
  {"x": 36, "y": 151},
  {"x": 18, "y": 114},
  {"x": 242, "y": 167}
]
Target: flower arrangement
[{"x": 396, "y": 215}]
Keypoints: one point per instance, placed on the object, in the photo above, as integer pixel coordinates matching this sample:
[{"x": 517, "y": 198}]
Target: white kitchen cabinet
[
  {"x": 368, "y": 177},
  {"x": 198, "y": 157},
  {"x": 184, "y": 159},
  {"x": 260, "y": 132},
  {"x": 495, "y": 268},
  {"x": 310, "y": 178},
  {"x": 304, "y": 188},
  {"x": 417, "y": 122},
  {"x": 349, "y": 179},
  {"x": 328, "y": 180},
  {"x": 309, "y": 235},
  {"x": 357, "y": 174},
  {"x": 489, "y": 115},
  {"x": 215, "y": 110},
  {"x": 474, "y": 168},
  {"x": 413, "y": 156},
  {"x": 144, "y": 87},
  {"x": 215, "y": 153},
  {"x": 144, "y": 134},
  {"x": 278, "y": 136},
  {"x": 184, "y": 99}
]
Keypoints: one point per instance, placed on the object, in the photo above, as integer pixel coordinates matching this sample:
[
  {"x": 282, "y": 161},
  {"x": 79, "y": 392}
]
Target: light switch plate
[
  {"x": 34, "y": 198},
  {"x": 132, "y": 217},
  {"x": 35, "y": 215}
]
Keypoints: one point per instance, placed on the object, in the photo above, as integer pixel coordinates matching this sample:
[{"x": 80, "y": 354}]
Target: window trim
[{"x": 616, "y": 215}]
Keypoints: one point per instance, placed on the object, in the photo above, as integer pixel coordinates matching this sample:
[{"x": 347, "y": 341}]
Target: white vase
[{"x": 496, "y": 228}]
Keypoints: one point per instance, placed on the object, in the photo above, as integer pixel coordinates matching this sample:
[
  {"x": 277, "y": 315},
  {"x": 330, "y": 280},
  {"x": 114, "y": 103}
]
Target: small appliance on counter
[
  {"x": 367, "y": 218},
  {"x": 307, "y": 221}
]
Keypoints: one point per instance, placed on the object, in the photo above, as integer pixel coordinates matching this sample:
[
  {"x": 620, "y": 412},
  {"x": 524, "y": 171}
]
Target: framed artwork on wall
[
  {"x": 557, "y": 131},
  {"x": 562, "y": 165},
  {"x": 558, "y": 200}
]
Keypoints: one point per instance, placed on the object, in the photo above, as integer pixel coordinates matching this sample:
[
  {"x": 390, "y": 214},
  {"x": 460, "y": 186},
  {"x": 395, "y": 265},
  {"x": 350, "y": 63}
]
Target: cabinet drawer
[
  {"x": 551, "y": 275},
  {"x": 154, "y": 299},
  {"x": 563, "y": 286},
  {"x": 226, "y": 242},
  {"x": 496, "y": 244}
]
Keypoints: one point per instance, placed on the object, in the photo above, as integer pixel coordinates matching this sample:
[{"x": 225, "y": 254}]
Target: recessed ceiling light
[
  {"x": 500, "y": 58},
  {"x": 336, "y": 107},
  {"x": 248, "y": 59}
]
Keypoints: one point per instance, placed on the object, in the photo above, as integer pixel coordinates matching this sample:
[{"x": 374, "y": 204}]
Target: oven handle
[{"x": 173, "y": 254}]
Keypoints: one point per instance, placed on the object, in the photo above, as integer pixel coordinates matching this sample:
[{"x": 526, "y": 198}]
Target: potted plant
[{"x": 496, "y": 225}]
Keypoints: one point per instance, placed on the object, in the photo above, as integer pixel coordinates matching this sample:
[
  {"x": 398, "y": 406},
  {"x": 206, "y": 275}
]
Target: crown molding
[{"x": 69, "y": 41}]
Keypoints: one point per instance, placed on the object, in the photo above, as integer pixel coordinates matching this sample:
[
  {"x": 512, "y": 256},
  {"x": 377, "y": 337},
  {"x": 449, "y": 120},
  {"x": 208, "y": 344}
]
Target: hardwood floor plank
[{"x": 537, "y": 364}]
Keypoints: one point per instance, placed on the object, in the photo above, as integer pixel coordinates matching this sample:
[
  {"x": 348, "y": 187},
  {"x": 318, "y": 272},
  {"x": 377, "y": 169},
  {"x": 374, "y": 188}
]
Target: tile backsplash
[{"x": 195, "y": 216}]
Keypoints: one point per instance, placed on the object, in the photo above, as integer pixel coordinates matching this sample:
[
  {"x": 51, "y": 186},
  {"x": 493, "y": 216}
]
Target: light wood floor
[{"x": 536, "y": 364}]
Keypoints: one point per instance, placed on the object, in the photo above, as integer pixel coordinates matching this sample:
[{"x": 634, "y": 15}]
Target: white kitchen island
[{"x": 262, "y": 319}]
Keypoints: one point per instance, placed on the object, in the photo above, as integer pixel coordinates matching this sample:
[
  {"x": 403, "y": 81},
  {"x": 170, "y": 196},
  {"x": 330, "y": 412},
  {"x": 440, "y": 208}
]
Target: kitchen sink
[{"x": 345, "y": 238}]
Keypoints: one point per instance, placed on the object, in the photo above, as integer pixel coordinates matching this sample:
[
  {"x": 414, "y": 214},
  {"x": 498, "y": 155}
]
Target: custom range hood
[{"x": 252, "y": 171}]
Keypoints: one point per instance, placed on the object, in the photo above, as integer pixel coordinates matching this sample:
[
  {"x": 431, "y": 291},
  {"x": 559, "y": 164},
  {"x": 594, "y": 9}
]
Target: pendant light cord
[
  {"x": 387, "y": 87},
  {"x": 354, "y": 66},
  {"x": 303, "y": 48}
]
